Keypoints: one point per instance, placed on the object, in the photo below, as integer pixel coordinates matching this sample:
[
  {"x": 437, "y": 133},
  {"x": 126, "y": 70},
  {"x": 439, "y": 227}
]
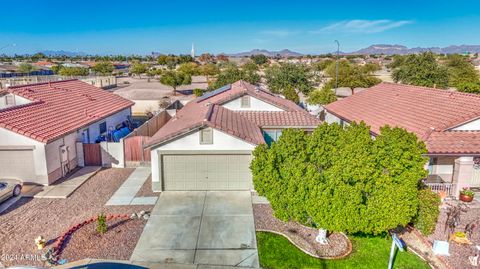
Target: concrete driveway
[{"x": 201, "y": 227}]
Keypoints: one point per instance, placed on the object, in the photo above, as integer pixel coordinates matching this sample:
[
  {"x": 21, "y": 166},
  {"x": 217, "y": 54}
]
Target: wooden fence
[
  {"x": 92, "y": 154},
  {"x": 150, "y": 127},
  {"x": 134, "y": 153}
]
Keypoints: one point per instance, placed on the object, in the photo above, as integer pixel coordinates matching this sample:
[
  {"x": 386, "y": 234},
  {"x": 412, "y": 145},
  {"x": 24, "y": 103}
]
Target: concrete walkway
[
  {"x": 202, "y": 228},
  {"x": 125, "y": 195},
  {"x": 63, "y": 189}
]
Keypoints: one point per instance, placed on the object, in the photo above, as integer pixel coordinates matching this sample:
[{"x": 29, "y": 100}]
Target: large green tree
[
  {"x": 175, "y": 79},
  {"x": 138, "y": 68},
  {"x": 73, "y": 71},
  {"x": 103, "y": 68},
  {"x": 189, "y": 68},
  {"x": 420, "y": 69},
  {"x": 323, "y": 96},
  {"x": 341, "y": 179},
  {"x": 460, "y": 71},
  {"x": 26, "y": 68},
  {"x": 298, "y": 76},
  {"x": 232, "y": 74},
  {"x": 351, "y": 75}
]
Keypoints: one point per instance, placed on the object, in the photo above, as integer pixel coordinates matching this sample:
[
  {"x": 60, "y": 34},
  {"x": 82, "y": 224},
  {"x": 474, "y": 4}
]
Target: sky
[{"x": 141, "y": 27}]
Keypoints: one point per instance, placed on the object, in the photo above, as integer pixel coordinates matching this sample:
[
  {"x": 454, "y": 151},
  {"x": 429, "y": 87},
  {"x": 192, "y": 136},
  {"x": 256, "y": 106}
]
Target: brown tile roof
[
  {"x": 59, "y": 108},
  {"x": 281, "y": 118},
  {"x": 430, "y": 113},
  {"x": 417, "y": 109},
  {"x": 245, "y": 125},
  {"x": 454, "y": 142}
]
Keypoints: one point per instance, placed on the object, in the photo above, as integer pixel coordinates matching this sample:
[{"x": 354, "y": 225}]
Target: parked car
[{"x": 9, "y": 188}]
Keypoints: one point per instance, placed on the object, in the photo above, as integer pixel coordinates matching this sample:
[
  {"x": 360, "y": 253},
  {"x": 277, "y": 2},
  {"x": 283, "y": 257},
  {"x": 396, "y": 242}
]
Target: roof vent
[{"x": 208, "y": 104}]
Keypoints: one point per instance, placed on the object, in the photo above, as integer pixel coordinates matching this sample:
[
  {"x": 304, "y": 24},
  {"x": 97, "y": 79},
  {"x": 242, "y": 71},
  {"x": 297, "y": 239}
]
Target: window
[
  {"x": 2, "y": 186},
  {"x": 206, "y": 136},
  {"x": 103, "y": 127},
  {"x": 271, "y": 136},
  {"x": 245, "y": 101}
]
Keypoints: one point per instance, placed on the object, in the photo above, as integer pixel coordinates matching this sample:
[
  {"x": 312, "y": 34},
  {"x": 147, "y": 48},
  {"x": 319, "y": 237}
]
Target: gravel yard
[
  {"x": 29, "y": 218},
  {"x": 146, "y": 190},
  {"x": 302, "y": 236},
  {"x": 459, "y": 253}
]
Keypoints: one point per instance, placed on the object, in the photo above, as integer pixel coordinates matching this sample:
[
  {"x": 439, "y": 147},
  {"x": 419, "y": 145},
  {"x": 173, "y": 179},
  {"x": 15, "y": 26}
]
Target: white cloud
[
  {"x": 278, "y": 33},
  {"x": 362, "y": 26}
]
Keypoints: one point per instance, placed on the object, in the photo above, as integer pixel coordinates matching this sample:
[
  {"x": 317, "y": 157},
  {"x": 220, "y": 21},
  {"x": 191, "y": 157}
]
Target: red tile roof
[
  {"x": 245, "y": 125},
  {"x": 281, "y": 118},
  {"x": 454, "y": 142},
  {"x": 425, "y": 111},
  {"x": 59, "y": 108}
]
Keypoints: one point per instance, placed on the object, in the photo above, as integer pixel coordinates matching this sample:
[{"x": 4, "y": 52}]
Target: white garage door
[
  {"x": 17, "y": 164},
  {"x": 207, "y": 172}
]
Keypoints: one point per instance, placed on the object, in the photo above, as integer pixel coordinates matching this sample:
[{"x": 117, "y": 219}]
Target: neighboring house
[
  {"x": 448, "y": 122},
  {"x": 208, "y": 144},
  {"x": 40, "y": 125}
]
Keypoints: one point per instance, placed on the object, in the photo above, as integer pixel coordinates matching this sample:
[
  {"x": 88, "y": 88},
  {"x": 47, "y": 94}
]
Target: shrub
[
  {"x": 428, "y": 210},
  {"x": 102, "y": 224},
  {"x": 340, "y": 179},
  {"x": 198, "y": 92}
]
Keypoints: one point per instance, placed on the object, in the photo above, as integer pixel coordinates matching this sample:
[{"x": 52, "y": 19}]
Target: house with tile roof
[
  {"x": 208, "y": 144},
  {"x": 40, "y": 125},
  {"x": 448, "y": 122}
]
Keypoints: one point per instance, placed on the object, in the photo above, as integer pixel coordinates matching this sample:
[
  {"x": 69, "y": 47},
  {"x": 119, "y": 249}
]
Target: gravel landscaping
[
  {"x": 304, "y": 237},
  {"x": 459, "y": 253},
  {"x": 146, "y": 190},
  {"x": 86, "y": 242},
  {"x": 29, "y": 218}
]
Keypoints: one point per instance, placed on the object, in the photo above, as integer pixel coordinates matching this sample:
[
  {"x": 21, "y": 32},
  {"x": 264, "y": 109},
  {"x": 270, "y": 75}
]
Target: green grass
[{"x": 276, "y": 252}]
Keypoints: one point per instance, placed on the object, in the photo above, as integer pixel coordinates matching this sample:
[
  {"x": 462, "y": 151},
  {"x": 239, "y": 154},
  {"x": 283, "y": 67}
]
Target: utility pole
[{"x": 336, "y": 65}]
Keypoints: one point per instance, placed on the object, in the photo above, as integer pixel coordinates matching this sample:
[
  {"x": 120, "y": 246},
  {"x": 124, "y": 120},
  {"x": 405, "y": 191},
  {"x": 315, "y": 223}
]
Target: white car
[{"x": 9, "y": 188}]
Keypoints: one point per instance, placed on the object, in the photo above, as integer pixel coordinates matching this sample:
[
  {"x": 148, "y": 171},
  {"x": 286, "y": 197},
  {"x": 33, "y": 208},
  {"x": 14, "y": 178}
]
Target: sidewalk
[
  {"x": 63, "y": 189},
  {"x": 125, "y": 195}
]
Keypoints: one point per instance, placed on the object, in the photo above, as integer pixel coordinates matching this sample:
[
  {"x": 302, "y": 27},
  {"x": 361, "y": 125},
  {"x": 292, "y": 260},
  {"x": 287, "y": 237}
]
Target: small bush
[
  {"x": 428, "y": 211},
  {"x": 198, "y": 92},
  {"x": 102, "y": 224}
]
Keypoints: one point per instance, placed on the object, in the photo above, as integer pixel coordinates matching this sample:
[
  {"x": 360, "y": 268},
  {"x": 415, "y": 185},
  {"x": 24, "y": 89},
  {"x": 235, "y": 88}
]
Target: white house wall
[
  {"x": 330, "y": 118},
  {"x": 18, "y": 100},
  {"x": 52, "y": 153},
  {"x": 9, "y": 138},
  {"x": 470, "y": 126},
  {"x": 112, "y": 121},
  {"x": 255, "y": 105}
]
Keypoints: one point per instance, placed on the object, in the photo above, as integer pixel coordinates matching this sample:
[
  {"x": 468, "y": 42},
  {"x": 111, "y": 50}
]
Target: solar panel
[{"x": 215, "y": 92}]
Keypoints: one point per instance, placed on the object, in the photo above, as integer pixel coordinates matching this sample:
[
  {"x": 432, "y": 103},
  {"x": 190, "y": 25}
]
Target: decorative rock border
[
  {"x": 427, "y": 243},
  {"x": 348, "y": 252},
  {"x": 59, "y": 244}
]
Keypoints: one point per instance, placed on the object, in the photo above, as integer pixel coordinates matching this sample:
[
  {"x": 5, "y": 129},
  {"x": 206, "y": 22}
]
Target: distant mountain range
[
  {"x": 281, "y": 53},
  {"x": 55, "y": 53},
  {"x": 399, "y": 49}
]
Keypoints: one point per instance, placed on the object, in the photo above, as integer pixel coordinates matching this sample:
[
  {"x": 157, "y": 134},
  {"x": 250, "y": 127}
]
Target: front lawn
[{"x": 276, "y": 252}]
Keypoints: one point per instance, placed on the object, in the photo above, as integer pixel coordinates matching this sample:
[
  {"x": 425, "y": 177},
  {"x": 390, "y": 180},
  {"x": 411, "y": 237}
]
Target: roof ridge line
[
  {"x": 41, "y": 83},
  {"x": 37, "y": 102}
]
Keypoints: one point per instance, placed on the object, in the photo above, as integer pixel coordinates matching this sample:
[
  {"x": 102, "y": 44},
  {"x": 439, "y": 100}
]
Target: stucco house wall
[
  {"x": 53, "y": 159},
  {"x": 9, "y": 138},
  {"x": 191, "y": 142},
  {"x": 112, "y": 121},
  {"x": 255, "y": 105},
  {"x": 469, "y": 126}
]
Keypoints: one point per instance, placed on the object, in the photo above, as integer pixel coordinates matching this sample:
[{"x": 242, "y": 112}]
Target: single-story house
[
  {"x": 208, "y": 144},
  {"x": 40, "y": 125},
  {"x": 447, "y": 121}
]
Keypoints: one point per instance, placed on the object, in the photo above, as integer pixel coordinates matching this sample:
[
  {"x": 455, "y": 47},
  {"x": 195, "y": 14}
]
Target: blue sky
[{"x": 140, "y": 27}]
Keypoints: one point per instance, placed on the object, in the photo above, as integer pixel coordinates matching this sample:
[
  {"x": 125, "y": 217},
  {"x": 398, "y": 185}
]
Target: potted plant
[{"x": 466, "y": 195}]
